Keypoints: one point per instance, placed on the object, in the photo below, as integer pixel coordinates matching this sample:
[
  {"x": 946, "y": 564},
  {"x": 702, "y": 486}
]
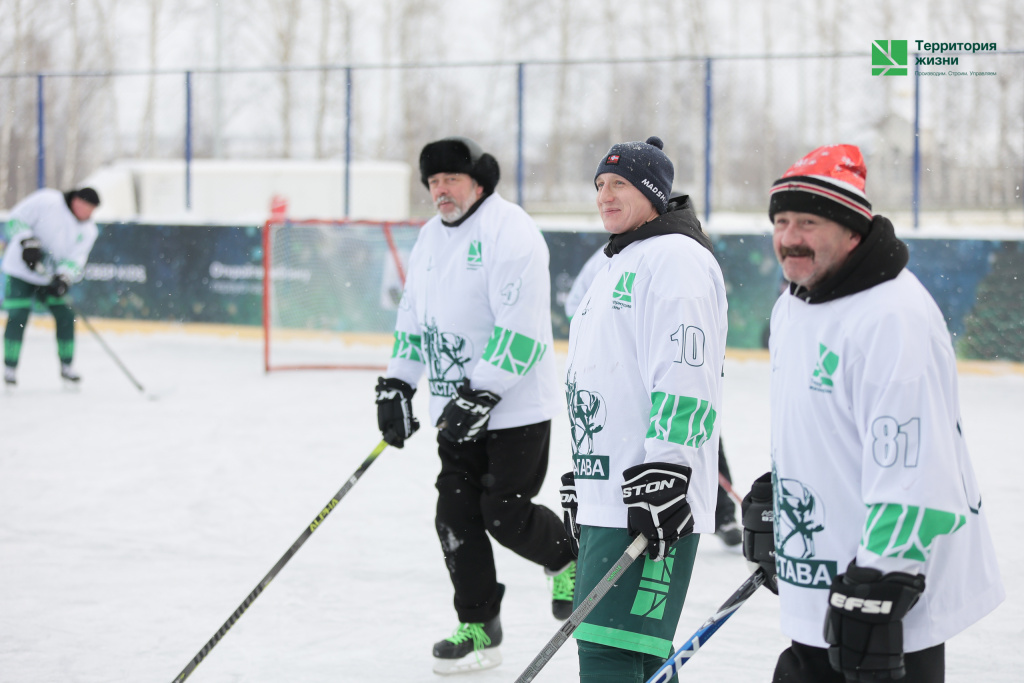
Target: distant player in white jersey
[
  {"x": 476, "y": 315},
  {"x": 644, "y": 390},
  {"x": 871, "y": 522},
  {"x": 51, "y": 234}
]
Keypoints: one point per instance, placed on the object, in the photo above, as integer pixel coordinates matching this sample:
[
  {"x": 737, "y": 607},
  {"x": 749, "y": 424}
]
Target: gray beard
[{"x": 452, "y": 215}]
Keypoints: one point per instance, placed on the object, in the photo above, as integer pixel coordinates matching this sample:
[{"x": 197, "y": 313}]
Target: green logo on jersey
[
  {"x": 828, "y": 362},
  {"x": 447, "y": 355},
  {"x": 474, "y": 259},
  {"x": 622, "y": 296},
  {"x": 799, "y": 514},
  {"x": 652, "y": 595},
  {"x": 587, "y": 415}
]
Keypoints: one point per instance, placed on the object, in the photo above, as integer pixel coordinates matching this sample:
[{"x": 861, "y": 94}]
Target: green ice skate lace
[
  {"x": 564, "y": 584},
  {"x": 475, "y": 631}
]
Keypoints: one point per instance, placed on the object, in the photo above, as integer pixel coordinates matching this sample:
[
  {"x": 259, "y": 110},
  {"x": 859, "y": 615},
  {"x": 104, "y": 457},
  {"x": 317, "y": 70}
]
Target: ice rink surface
[{"x": 132, "y": 526}]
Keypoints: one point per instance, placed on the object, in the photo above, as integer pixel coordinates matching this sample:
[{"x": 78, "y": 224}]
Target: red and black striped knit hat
[{"x": 828, "y": 182}]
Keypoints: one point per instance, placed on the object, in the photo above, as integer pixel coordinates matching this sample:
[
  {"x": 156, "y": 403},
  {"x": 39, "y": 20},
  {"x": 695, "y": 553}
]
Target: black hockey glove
[
  {"x": 58, "y": 286},
  {"x": 569, "y": 505},
  {"x": 465, "y": 417},
  {"x": 864, "y": 622},
  {"x": 31, "y": 252},
  {"x": 655, "y": 495},
  {"x": 394, "y": 410},
  {"x": 758, "y": 514}
]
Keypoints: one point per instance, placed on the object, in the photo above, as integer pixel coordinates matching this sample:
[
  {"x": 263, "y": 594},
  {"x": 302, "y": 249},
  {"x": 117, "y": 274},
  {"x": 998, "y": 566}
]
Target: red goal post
[{"x": 331, "y": 290}]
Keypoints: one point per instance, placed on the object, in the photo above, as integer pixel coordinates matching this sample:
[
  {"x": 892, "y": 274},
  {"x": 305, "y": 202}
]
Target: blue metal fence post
[
  {"x": 520, "y": 161},
  {"x": 348, "y": 137},
  {"x": 188, "y": 140},
  {"x": 40, "y": 137},
  {"x": 917, "y": 146},
  {"x": 707, "y": 139}
]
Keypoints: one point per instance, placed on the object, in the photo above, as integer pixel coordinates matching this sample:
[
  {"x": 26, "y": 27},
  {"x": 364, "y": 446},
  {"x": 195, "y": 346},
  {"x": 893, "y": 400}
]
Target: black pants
[
  {"x": 805, "y": 664},
  {"x": 486, "y": 487},
  {"x": 725, "y": 512}
]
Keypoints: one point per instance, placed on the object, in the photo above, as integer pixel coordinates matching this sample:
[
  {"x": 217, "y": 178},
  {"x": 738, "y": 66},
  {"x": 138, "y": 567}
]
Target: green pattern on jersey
[
  {"x": 408, "y": 346},
  {"x": 652, "y": 593},
  {"x": 512, "y": 351},
  {"x": 908, "y": 531},
  {"x": 681, "y": 419}
]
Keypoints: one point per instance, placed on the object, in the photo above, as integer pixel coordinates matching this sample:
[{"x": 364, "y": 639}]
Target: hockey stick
[
  {"x": 635, "y": 549},
  {"x": 690, "y": 647},
  {"x": 306, "y": 533},
  {"x": 727, "y": 485},
  {"x": 106, "y": 348}
]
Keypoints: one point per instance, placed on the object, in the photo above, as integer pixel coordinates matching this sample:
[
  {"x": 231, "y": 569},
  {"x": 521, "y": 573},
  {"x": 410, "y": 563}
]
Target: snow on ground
[{"x": 131, "y": 528}]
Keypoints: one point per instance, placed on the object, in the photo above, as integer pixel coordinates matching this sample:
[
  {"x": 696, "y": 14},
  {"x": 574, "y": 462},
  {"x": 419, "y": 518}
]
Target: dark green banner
[{"x": 214, "y": 274}]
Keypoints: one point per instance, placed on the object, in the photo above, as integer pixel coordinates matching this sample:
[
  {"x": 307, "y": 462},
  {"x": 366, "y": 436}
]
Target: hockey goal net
[{"x": 330, "y": 292}]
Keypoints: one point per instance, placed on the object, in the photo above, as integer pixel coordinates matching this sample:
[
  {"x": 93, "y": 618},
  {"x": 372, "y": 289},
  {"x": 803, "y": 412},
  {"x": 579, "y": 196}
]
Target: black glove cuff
[{"x": 386, "y": 385}]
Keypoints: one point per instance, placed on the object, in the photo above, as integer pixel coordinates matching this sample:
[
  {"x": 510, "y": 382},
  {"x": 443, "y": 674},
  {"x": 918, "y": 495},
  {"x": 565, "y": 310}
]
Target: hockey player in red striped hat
[{"x": 870, "y": 522}]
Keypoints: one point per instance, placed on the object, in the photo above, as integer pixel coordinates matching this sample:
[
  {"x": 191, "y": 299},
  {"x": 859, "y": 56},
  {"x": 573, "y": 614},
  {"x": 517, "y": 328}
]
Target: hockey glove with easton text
[
  {"x": 465, "y": 417},
  {"x": 758, "y": 514},
  {"x": 31, "y": 252},
  {"x": 58, "y": 286},
  {"x": 569, "y": 505},
  {"x": 394, "y": 410},
  {"x": 864, "y": 622},
  {"x": 655, "y": 495}
]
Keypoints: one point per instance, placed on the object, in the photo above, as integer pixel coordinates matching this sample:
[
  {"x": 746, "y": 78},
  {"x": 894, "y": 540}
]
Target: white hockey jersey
[
  {"x": 644, "y": 374},
  {"x": 870, "y": 461},
  {"x": 582, "y": 282},
  {"x": 477, "y": 304},
  {"x": 66, "y": 242}
]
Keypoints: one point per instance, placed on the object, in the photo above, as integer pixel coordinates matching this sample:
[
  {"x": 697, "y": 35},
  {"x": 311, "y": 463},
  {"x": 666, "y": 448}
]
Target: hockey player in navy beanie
[{"x": 645, "y": 166}]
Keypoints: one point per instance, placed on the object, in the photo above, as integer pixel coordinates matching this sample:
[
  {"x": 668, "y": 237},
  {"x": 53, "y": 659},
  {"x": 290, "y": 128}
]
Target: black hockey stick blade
[
  {"x": 635, "y": 549},
  {"x": 692, "y": 646},
  {"x": 306, "y": 533}
]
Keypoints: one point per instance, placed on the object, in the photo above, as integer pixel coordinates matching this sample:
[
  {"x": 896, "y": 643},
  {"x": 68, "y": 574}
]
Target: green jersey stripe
[
  {"x": 408, "y": 346},
  {"x": 908, "y": 531},
  {"x": 513, "y": 352},
  {"x": 681, "y": 419}
]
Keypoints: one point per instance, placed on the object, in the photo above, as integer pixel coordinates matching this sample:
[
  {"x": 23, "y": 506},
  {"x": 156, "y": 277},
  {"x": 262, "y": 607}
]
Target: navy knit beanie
[{"x": 645, "y": 166}]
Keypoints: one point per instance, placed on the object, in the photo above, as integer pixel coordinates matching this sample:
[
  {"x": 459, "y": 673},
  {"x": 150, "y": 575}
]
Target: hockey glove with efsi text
[
  {"x": 466, "y": 415},
  {"x": 864, "y": 622},
  {"x": 31, "y": 252},
  {"x": 569, "y": 505},
  {"x": 655, "y": 495},
  {"x": 758, "y": 515},
  {"x": 394, "y": 410}
]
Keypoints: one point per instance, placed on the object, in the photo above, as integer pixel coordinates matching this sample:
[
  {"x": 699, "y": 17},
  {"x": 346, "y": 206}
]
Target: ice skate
[
  {"x": 563, "y": 586},
  {"x": 68, "y": 374},
  {"x": 473, "y": 647}
]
